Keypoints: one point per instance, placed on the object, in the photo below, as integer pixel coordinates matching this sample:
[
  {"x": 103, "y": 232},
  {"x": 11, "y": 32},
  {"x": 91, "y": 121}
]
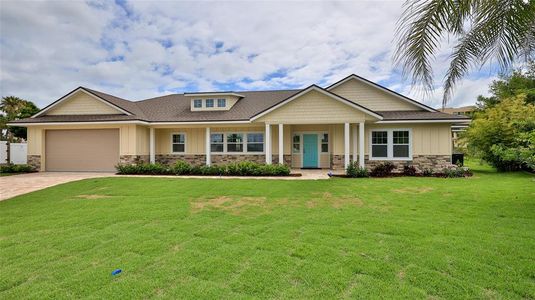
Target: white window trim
[
  {"x": 390, "y": 144},
  {"x": 185, "y": 141},
  {"x": 244, "y": 133}
]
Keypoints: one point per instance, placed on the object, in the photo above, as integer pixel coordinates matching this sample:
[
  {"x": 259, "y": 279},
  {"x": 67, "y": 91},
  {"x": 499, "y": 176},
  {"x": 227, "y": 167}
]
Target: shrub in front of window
[
  {"x": 354, "y": 171},
  {"x": 409, "y": 171},
  {"x": 181, "y": 168},
  {"x": 244, "y": 168},
  {"x": 382, "y": 170}
]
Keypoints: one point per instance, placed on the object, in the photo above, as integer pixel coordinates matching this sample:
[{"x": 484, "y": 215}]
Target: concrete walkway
[{"x": 11, "y": 186}]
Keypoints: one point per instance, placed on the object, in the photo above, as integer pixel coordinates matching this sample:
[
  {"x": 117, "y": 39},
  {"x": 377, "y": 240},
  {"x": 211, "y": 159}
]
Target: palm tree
[{"x": 483, "y": 31}]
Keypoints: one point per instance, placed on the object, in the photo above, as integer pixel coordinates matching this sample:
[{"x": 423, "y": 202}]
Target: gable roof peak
[{"x": 380, "y": 87}]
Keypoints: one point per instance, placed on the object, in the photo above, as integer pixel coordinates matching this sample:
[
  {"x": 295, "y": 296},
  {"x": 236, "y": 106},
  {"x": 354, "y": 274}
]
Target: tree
[
  {"x": 13, "y": 108},
  {"x": 518, "y": 82},
  {"x": 482, "y": 31},
  {"x": 504, "y": 135}
]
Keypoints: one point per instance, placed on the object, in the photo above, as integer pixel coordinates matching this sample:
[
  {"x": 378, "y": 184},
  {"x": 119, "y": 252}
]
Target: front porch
[{"x": 309, "y": 146}]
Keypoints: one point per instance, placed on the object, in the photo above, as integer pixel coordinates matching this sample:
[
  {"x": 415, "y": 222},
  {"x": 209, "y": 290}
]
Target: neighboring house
[
  {"x": 353, "y": 119},
  {"x": 460, "y": 111},
  {"x": 456, "y": 129}
]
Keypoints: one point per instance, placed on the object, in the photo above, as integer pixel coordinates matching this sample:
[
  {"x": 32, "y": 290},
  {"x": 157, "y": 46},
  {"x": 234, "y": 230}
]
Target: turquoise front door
[{"x": 310, "y": 150}]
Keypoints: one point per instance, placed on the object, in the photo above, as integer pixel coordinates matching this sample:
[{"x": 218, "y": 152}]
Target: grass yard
[{"x": 344, "y": 238}]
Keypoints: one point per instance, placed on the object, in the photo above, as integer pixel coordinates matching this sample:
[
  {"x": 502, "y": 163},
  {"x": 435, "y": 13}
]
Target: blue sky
[{"x": 143, "y": 49}]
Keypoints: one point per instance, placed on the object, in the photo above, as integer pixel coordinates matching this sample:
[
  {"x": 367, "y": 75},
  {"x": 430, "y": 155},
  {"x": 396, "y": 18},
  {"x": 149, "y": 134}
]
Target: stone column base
[
  {"x": 34, "y": 161},
  {"x": 287, "y": 159}
]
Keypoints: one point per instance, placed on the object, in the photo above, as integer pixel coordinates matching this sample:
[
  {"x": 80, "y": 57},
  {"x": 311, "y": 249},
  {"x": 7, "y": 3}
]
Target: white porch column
[
  {"x": 346, "y": 145},
  {"x": 267, "y": 144},
  {"x": 207, "y": 147},
  {"x": 281, "y": 147},
  {"x": 355, "y": 140},
  {"x": 361, "y": 144},
  {"x": 152, "y": 154}
]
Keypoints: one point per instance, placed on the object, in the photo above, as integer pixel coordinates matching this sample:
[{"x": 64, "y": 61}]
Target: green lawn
[{"x": 344, "y": 238}]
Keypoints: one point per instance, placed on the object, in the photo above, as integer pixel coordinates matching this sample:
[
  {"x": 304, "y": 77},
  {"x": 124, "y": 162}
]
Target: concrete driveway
[{"x": 11, "y": 186}]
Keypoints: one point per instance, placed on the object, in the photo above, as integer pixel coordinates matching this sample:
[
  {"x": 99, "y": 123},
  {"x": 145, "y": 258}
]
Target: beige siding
[
  {"x": 142, "y": 140},
  {"x": 315, "y": 108},
  {"x": 82, "y": 103},
  {"x": 371, "y": 97},
  {"x": 427, "y": 139}
]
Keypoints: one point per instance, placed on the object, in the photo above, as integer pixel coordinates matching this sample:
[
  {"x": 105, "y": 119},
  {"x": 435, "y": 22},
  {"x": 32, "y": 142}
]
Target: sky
[{"x": 142, "y": 49}]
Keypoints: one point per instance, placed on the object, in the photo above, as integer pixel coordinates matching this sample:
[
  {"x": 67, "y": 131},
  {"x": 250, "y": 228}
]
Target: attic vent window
[
  {"x": 197, "y": 103},
  {"x": 209, "y": 103},
  {"x": 221, "y": 102}
]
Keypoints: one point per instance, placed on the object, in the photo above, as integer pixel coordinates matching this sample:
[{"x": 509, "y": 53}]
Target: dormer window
[
  {"x": 213, "y": 101},
  {"x": 209, "y": 103}
]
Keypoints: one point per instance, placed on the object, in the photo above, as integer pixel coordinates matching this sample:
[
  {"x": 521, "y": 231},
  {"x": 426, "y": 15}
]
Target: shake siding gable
[
  {"x": 82, "y": 103},
  {"x": 314, "y": 108},
  {"x": 371, "y": 97}
]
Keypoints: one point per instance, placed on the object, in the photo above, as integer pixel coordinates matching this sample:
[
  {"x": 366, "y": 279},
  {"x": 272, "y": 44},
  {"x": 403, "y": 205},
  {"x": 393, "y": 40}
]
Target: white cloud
[{"x": 154, "y": 48}]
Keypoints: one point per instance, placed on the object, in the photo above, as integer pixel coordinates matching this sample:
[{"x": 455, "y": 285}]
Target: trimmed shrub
[
  {"x": 11, "y": 168},
  {"x": 382, "y": 170},
  {"x": 456, "y": 172},
  {"x": 143, "y": 169},
  {"x": 181, "y": 168},
  {"x": 409, "y": 171},
  {"x": 354, "y": 171},
  {"x": 244, "y": 168}
]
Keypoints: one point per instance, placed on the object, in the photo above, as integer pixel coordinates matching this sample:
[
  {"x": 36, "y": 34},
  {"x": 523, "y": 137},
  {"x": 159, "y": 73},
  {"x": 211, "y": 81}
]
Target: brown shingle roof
[
  {"x": 176, "y": 108},
  {"x": 418, "y": 115}
]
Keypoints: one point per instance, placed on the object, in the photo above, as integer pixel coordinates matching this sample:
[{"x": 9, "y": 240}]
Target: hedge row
[
  {"x": 386, "y": 169},
  {"x": 244, "y": 168},
  {"x": 16, "y": 169}
]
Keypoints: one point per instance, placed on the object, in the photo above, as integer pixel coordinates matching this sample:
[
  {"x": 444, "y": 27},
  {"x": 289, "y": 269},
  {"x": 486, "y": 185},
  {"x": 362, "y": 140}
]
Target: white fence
[{"x": 19, "y": 152}]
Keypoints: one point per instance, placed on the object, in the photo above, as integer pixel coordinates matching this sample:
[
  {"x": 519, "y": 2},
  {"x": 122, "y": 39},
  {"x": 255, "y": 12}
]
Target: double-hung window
[
  {"x": 400, "y": 143},
  {"x": 178, "y": 143},
  {"x": 216, "y": 142},
  {"x": 255, "y": 142},
  {"x": 234, "y": 142},
  {"x": 391, "y": 144},
  {"x": 380, "y": 144},
  {"x": 197, "y": 103},
  {"x": 221, "y": 102},
  {"x": 209, "y": 103}
]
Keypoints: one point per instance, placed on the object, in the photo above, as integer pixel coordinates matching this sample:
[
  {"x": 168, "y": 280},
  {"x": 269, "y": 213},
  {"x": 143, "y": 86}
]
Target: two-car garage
[{"x": 82, "y": 150}]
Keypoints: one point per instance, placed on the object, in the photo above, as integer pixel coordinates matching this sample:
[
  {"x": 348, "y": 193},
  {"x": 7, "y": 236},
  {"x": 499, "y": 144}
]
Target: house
[
  {"x": 351, "y": 120},
  {"x": 460, "y": 111},
  {"x": 456, "y": 129}
]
